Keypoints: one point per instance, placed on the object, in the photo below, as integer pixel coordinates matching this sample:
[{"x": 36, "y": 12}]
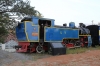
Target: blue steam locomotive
[{"x": 41, "y": 34}]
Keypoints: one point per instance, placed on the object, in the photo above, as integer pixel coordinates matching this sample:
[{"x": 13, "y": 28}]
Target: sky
[{"x": 65, "y": 11}]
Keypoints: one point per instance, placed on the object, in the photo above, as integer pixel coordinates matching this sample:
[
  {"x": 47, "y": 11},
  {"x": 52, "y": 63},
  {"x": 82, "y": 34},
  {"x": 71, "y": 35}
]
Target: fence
[{"x": 9, "y": 46}]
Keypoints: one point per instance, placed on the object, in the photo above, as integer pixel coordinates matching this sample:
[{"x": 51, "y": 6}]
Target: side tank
[
  {"x": 72, "y": 25},
  {"x": 20, "y": 32}
]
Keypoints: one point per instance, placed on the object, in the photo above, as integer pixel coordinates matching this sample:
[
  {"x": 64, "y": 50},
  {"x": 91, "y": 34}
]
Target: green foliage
[
  {"x": 3, "y": 31},
  {"x": 4, "y": 21},
  {"x": 2, "y": 40},
  {"x": 23, "y": 8},
  {"x": 19, "y": 8}
]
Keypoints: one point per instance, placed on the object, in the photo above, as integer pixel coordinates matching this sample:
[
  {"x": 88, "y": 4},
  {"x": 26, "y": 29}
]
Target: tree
[
  {"x": 11, "y": 8},
  {"x": 18, "y": 8},
  {"x": 38, "y": 14}
]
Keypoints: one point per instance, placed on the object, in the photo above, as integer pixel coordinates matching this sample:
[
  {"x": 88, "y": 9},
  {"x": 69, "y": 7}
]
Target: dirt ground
[{"x": 89, "y": 58}]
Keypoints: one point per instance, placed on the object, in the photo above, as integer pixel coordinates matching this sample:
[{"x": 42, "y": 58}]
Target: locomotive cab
[{"x": 42, "y": 24}]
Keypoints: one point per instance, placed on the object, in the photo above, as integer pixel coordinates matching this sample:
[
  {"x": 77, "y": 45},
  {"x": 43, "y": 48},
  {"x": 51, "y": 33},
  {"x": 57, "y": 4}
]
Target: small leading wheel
[{"x": 39, "y": 49}]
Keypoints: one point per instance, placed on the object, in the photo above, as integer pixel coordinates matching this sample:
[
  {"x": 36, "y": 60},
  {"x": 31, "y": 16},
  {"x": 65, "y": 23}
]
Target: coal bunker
[{"x": 94, "y": 32}]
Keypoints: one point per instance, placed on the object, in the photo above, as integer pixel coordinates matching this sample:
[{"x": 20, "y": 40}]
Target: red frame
[{"x": 24, "y": 46}]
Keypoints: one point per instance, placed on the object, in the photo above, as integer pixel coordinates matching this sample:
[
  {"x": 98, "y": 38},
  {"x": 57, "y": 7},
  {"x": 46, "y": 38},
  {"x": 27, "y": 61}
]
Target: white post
[{"x": 3, "y": 46}]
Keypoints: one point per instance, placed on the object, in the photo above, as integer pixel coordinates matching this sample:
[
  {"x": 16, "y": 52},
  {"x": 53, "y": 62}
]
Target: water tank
[{"x": 71, "y": 24}]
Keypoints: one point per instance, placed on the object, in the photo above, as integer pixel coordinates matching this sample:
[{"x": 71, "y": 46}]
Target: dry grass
[{"x": 81, "y": 50}]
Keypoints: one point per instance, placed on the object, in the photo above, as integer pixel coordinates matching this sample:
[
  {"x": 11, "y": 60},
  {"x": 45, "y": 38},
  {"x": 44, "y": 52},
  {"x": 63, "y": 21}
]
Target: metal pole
[{"x": 92, "y": 22}]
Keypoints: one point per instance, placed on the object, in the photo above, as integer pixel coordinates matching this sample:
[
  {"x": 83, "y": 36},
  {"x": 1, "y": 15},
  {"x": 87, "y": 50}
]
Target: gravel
[
  {"x": 90, "y": 58},
  {"x": 7, "y": 57}
]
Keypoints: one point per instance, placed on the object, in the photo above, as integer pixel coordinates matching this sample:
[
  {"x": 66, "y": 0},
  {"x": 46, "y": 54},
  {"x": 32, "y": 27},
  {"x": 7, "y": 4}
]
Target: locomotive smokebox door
[{"x": 56, "y": 49}]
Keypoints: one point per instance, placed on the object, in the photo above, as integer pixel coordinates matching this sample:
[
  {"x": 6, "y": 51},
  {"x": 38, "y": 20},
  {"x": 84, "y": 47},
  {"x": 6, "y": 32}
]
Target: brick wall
[{"x": 10, "y": 36}]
